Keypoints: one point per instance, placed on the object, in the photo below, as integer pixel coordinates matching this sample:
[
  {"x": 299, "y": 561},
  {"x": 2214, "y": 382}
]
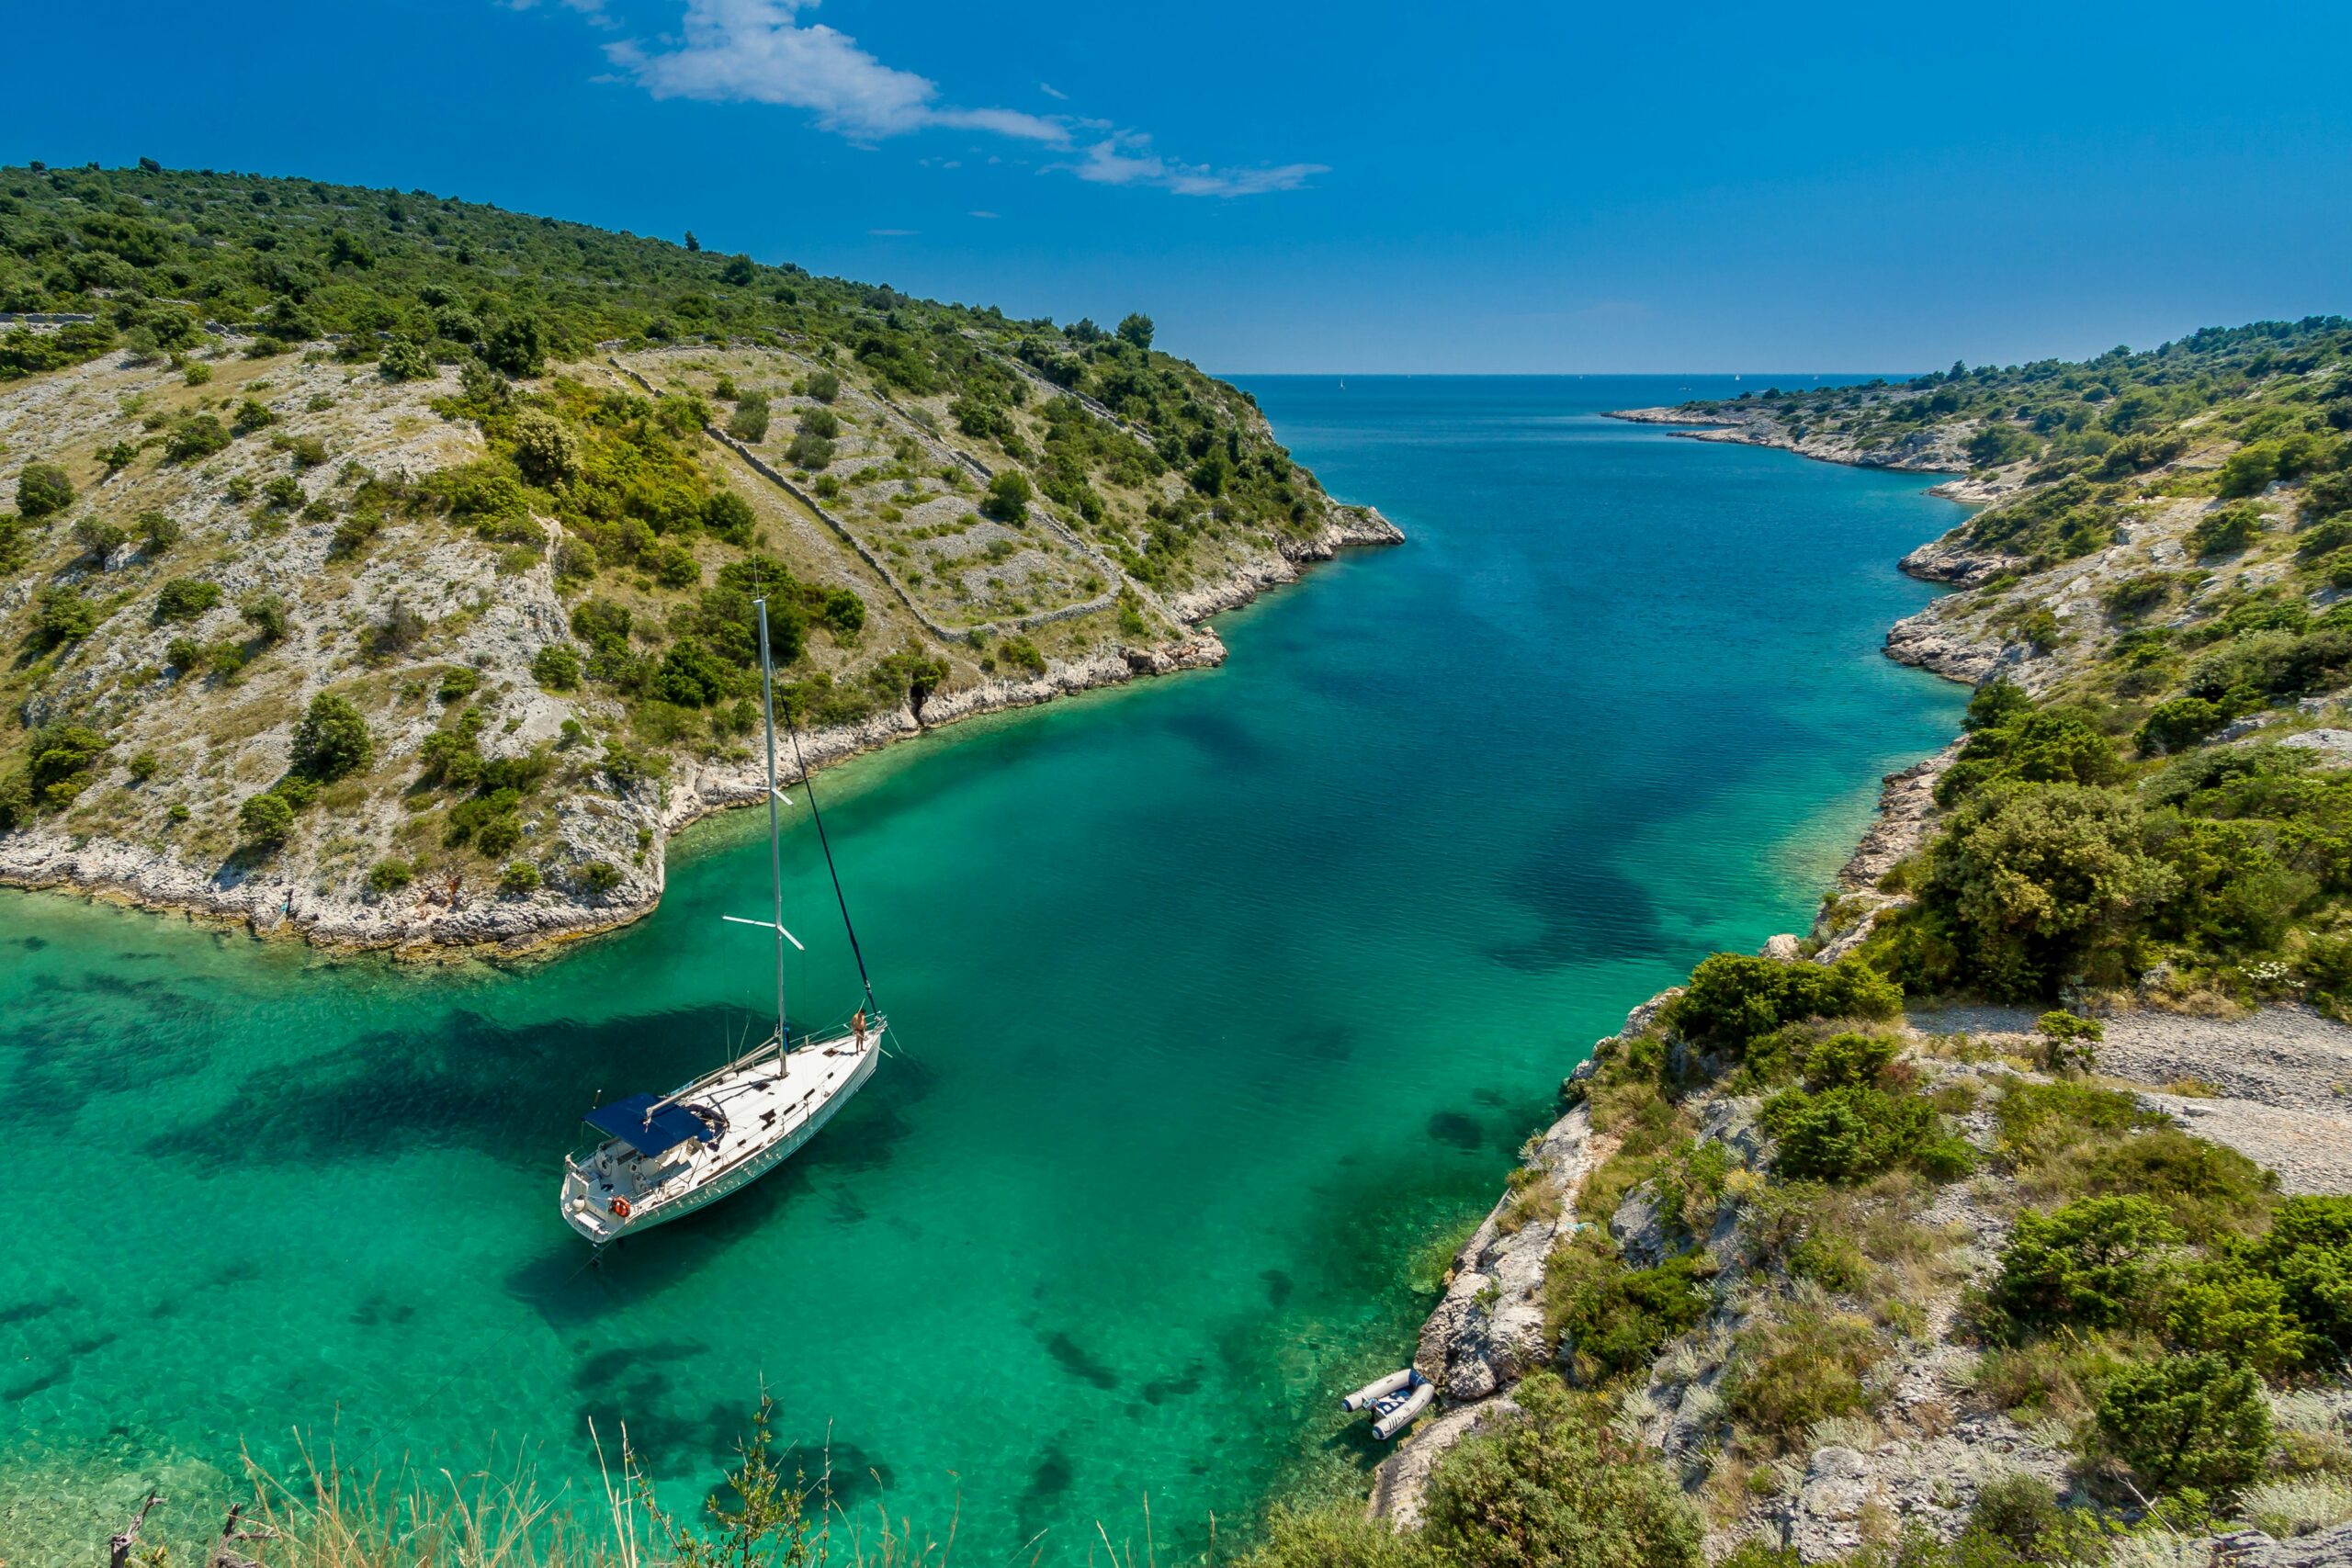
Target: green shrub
[
  {"x": 2187, "y": 1421},
  {"x": 545, "y": 448},
  {"x": 2035, "y": 1116},
  {"x": 1611, "y": 1319},
  {"x": 600, "y": 877},
  {"x": 61, "y": 616},
  {"x": 1008, "y": 496},
  {"x": 186, "y": 598},
  {"x": 824, "y": 386},
  {"x": 556, "y": 666},
  {"x": 1831, "y": 1261},
  {"x": 808, "y": 451},
  {"x": 158, "y": 532},
  {"x": 1848, "y": 1061},
  {"x": 100, "y": 536},
  {"x": 730, "y": 517},
  {"x": 1852, "y": 1132},
  {"x": 2309, "y": 1251},
  {"x": 1733, "y": 999},
  {"x": 497, "y": 835},
  {"x": 2096, "y": 1263},
  {"x": 1789, "y": 1375},
  {"x": 2211, "y": 1191},
  {"x": 520, "y": 879},
  {"x": 61, "y": 760},
  {"x": 1556, "y": 1489},
  {"x": 1337, "y": 1537},
  {"x": 403, "y": 360},
  {"x": 266, "y": 613},
  {"x": 2177, "y": 725},
  {"x": 2036, "y": 885},
  {"x": 332, "y": 740},
  {"x": 266, "y": 819},
  {"x": 2224, "y": 531},
  {"x": 196, "y": 436},
  {"x": 2017, "y": 1519},
  {"x": 42, "y": 488},
  {"x": 1022, "y": 654},
  {"x": 749, "y": 422},
  {"x": 2069, "y": 1041},
  {"x": 822, "y": 423},
  {"x": 2239, "y": 1312},
  {"x": 390, "y": 876},
  {"x": 252, "y": 414}
]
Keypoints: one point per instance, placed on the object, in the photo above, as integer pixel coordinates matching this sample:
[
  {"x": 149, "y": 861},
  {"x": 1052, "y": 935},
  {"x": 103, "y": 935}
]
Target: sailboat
[{"x": 665, "y": 1157}]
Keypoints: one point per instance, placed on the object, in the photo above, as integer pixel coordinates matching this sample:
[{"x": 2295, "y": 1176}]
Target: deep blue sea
[{"x": 1219, "y": 997}]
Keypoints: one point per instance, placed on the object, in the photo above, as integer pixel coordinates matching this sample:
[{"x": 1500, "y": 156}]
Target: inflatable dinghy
[{"x": 1394, "y": 1400}]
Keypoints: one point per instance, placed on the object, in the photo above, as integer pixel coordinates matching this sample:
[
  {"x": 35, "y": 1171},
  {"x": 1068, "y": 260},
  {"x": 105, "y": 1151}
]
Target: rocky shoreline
[
  {"x": 1486, "y": 1330},
  {"x": 43, "y": 858}
]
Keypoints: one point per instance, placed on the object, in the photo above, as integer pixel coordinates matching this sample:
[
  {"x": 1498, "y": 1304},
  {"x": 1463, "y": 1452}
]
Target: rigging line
[{"x": 809, "y": 785}]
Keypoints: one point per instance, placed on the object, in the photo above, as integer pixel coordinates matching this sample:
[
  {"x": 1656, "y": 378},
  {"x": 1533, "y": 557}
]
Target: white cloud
[
  {"x": 764, "y": 52},
  {"x": 976, "y": 212},
  {"x": 1126, "y": 159},
  {"x": 1045, "y": 87},
  {"x": 592, "y": 9},
  {"x": 890, "y": 234},
  {"x": 761, "y": 51}
]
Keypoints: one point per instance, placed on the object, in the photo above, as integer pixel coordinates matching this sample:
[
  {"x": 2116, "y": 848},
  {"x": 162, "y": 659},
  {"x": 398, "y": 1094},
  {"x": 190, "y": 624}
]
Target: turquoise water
[{"x": 1218, "y": 996}]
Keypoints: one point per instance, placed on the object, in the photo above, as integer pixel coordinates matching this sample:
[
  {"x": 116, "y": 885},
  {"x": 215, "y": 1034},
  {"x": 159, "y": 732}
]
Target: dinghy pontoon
[{"x": 1394, "y": 1400}]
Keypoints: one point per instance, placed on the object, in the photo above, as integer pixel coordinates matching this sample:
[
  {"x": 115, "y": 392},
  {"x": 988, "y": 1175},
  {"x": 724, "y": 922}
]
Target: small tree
[
  {"x": 545, "y": 448},
  {"x": 1008, "y": 497},
  {"x": 266, "y": 819},
  {"x": 520, "y": 879},
  {"x": 196, "y": 436},
  {"x": 749, "y": 422},
  {"x": 332, "y": 740},
  {"x": 186, "y": 598},
  {"x": 517, "y": 347},
  {"x": 403, "y": 360},
  {"x": 2069, "y": 1041},
  {"x": 556, "y": 666},
  {"x": 266, "y": 613},
  {"x": 100, "y": 537},
  {"x": 42, "y": 488},
  {"x": 824, "y": 386},
  {"x": 2187, "y": 1421},
  {"x": 1137, "y": 329},
  {"x": 2096, "y": 1263}
]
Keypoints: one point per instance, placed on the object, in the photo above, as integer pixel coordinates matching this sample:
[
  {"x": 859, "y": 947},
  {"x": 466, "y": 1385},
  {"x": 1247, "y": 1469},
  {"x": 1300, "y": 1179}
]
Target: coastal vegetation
[
  {"x": 1815, "y": 1237},
  {"x": 506, "y": 489}
]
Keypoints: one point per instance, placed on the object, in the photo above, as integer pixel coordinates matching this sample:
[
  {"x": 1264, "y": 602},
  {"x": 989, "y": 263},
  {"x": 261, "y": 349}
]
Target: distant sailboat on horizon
[{"x": 665, "y": 1158}]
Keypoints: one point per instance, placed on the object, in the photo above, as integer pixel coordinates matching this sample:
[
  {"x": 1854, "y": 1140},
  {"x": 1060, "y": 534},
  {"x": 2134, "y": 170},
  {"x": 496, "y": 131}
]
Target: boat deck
[{"x": 761, "y": 1116}]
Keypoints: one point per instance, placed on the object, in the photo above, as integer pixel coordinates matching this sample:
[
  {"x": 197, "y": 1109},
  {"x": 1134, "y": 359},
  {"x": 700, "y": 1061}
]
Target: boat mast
[{"x": 775, "y": 849}]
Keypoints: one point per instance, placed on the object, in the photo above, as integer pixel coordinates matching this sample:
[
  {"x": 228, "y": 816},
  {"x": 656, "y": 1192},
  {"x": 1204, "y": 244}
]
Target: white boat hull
[{"x": 767, "y": 1118}]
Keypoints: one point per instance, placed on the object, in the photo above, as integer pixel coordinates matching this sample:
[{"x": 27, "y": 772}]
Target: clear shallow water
[{"x": 1219, "y": 997}]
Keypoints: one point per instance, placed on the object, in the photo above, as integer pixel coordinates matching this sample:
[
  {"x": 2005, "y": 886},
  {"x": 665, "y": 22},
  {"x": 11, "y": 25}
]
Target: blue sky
[{"x": 1309, "y": 186}]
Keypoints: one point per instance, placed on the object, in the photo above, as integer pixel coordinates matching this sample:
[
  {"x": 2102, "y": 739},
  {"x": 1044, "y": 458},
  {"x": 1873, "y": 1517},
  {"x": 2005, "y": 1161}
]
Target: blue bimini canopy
[{"x": 650, "y": 1132}]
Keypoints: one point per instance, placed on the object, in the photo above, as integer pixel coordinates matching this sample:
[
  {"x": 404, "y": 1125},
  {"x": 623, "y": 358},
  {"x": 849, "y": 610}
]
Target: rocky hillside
[
  {"x": 382, "y": 566},
  {"x": 2003, "y": 1218}
]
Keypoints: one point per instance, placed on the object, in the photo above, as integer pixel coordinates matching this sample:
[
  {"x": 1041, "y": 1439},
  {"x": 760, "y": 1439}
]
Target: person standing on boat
[{"x": 858, "y": 1024}]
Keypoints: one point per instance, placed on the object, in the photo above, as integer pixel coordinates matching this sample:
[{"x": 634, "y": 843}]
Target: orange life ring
[{"x": 620, "y": 1208}]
